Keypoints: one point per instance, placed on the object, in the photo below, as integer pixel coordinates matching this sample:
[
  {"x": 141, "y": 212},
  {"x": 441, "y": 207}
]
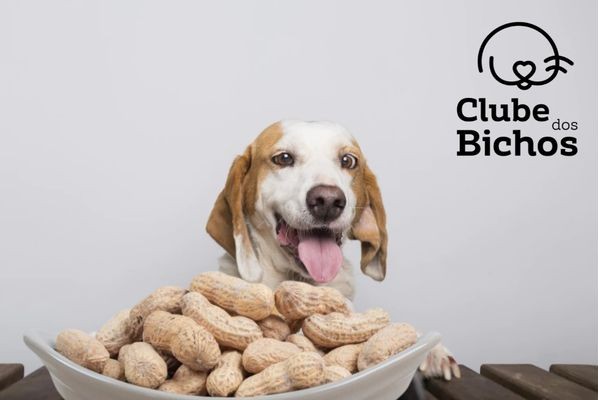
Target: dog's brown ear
[
  {"x": 369, "y": 227},
  {"x": 226, "y": 224}
]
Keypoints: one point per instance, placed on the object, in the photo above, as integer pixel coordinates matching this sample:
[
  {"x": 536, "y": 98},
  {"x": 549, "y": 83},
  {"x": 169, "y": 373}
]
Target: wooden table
[
  {"x": 520, "y": 381},
  {"x": 496, "y": 382}
]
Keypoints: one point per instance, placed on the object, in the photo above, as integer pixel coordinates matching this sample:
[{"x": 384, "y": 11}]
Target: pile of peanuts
[{"x": 226, "y": 337}]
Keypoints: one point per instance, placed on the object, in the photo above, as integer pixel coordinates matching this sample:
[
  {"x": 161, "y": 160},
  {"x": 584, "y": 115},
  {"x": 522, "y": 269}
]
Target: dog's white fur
[{"x": 315, "y": 147}]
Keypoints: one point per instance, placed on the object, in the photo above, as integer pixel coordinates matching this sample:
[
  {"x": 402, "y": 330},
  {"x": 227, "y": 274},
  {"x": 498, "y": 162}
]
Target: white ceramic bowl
[{"x": 385, "y": 381}]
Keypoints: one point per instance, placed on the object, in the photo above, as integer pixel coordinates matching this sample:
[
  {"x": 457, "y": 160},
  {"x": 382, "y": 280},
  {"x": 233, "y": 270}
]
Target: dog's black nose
[{"x": 325, "y": 203}]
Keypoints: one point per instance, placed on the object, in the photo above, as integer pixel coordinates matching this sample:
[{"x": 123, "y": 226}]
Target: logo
[
  {"x": 523, "y": 55},
  {"x": 523, "y": 73}
]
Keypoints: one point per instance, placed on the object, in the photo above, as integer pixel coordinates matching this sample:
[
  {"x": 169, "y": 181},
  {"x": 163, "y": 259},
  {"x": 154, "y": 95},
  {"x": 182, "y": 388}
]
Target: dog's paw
[{"x": 440, "y": 363}]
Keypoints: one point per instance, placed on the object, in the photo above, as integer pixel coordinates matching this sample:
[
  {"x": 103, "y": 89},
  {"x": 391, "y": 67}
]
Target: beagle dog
[{"x": 291, "y": 200}]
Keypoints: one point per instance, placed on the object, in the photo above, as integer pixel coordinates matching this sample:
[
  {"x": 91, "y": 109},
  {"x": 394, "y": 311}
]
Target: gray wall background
[{"x": 118, "y": 122}]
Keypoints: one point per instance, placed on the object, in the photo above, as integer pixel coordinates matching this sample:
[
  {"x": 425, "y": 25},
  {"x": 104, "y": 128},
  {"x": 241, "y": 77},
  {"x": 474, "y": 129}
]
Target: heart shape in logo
[{"x": 524, "y": 69}]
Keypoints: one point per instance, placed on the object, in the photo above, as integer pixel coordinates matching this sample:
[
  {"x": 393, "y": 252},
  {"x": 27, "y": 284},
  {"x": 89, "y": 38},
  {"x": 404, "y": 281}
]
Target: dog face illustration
[{"x": 523, "y": 73}]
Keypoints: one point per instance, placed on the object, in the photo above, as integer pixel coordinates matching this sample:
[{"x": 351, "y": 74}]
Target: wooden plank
[
  {"x": 585, "y": 375},
  {"x": 471, "y": 386},
  {"x": 10, "y": 373},
  {"x": 37, "y": 385},
  {"x": 535, "y": 383},
  {"x": 429, "y": 396}
]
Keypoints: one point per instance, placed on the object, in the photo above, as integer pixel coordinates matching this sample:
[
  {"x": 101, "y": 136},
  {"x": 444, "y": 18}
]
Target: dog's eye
[
  {"x": 283, "y": 159},
  {"x": 348, "y": 161}
]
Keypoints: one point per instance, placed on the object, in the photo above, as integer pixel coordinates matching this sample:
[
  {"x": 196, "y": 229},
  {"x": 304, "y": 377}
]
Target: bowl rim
[{"x": 42, "y": 343}]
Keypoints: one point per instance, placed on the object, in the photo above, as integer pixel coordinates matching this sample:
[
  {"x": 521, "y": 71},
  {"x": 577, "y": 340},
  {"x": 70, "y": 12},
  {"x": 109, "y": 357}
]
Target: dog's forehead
[{"x": 315, "y": 135}]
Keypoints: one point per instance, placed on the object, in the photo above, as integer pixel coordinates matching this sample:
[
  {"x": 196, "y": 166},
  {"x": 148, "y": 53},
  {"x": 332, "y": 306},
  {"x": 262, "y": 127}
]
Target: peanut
[
  {"x": 234, "y": 332},
  {"x": 275, "y": 311},
  {"x": 264, "y": 352},
  {"x": 298, "y": 300},
  {"x": 115, "y": 333},
  {"x": 143, "y": 365},
  {"x": 185, "y": 381},
  {"x": 386, "y": 342},
  {"x": 114, "y": 370},
  {"x": 82, "y": 349},
  {"x": 293, "y": 324},
  {"x": 344, "y": 356},
  {"x": 336, "y": 329},
  {"x": 252, "y": 300},
  {"x": 274, "y": 327},
  {"x": 227, "y": 376},
  {"x": 188, "y": 341},
  {"x": 301, "y": 371},
  {"x": 167, "y": 298},
  {"x": 302, "y": 342},
  {"x": 333, "y": 373}
]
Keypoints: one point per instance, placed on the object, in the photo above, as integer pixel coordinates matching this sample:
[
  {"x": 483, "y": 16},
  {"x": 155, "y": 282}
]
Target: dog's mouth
[{"x": 316, "y": 250}]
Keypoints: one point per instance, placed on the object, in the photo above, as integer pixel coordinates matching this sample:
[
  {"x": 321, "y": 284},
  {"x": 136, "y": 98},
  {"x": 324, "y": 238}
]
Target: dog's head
[{"x": 307, "y": 185}]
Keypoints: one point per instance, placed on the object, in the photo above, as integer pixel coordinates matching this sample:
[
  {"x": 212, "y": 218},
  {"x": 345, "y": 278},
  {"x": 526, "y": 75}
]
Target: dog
[{"x": 291, "y": 200}]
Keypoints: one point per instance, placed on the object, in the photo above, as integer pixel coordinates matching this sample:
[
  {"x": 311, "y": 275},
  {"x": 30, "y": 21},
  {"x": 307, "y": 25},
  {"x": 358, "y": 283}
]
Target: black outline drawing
[{"x": 525, "y": 82}]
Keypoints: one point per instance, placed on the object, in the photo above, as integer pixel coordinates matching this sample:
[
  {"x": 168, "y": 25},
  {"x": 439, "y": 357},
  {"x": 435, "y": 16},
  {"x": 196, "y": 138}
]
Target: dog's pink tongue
[{"x": 321, "y": 256}]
